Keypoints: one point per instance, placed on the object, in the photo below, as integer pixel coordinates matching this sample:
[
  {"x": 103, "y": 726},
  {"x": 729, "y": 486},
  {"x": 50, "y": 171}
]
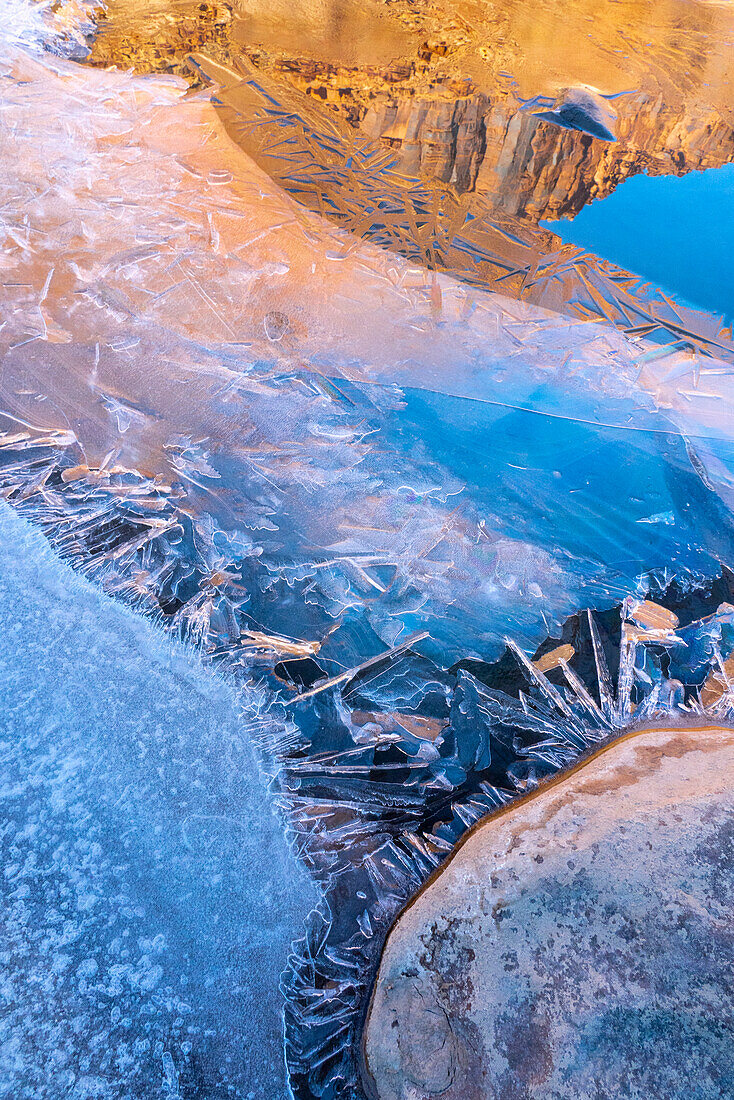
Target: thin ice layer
[
  {"x": 181, "y": 320},
  {"x": 366, "y": 188},
  {"x": 149, "y": 895}
]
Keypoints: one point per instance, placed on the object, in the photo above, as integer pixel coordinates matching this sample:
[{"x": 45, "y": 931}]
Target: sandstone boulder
[{"x": 578, "y": 944}]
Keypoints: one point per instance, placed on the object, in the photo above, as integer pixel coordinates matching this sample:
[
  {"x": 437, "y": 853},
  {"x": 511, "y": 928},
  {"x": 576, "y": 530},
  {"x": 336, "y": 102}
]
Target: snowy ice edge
[{"x": 165, "y": 656}]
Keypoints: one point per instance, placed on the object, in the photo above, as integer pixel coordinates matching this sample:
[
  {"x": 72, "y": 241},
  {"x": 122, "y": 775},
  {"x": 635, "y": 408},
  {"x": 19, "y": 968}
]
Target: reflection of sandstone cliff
[
  {"x": 529, "y": 166},
  {"x": 436, "y": 138},
  {"x": 335, "y": 170},
  {"x": 535, "y": 168},
  {"x": 469, "y": 131}
]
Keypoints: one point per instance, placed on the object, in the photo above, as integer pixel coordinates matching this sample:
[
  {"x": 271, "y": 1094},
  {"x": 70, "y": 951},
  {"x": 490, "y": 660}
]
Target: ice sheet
[
  {"x": 186, "y": 321},
  {"x": 149, "y": 895},
  {"x": 302, "y": 451}
]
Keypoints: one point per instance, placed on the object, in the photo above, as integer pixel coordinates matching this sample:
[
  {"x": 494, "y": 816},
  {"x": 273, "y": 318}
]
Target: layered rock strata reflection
[{"x": 471, "y": 99}]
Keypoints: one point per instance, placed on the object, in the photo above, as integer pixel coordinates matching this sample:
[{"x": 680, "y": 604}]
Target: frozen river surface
[{"x": 296, "y": 451}]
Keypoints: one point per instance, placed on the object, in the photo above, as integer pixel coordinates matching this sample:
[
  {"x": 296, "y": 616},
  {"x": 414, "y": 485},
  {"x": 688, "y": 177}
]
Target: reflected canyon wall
[
  {"x": 531, "y": 167},
  {"x": 409, "y": 84}
]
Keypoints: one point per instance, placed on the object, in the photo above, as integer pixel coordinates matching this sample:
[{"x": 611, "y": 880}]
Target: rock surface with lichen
[{"x": 576, "y": 945}]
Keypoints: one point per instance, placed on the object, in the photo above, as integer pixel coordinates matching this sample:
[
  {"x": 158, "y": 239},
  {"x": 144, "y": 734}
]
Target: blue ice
[{"x": 149, "y": 894}]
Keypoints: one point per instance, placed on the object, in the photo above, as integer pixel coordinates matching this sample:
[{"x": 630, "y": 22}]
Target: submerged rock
[{"x": 577, "y": 944}]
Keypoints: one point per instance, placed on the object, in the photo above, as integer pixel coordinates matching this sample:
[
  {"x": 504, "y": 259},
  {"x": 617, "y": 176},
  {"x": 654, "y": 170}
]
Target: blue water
[{"x": 678, "y": 232}]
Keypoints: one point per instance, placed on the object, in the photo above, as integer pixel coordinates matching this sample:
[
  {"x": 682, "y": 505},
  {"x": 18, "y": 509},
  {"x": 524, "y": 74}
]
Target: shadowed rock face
[{"x": 576, "y": 945}]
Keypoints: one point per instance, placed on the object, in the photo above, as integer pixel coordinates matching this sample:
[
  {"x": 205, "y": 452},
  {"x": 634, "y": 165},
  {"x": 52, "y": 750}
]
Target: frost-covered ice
[{"x": 149, "y": 896}]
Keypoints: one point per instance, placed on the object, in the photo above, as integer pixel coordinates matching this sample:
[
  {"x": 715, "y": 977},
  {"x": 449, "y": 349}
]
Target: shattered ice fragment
[{"x": 659, "y": 517}]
